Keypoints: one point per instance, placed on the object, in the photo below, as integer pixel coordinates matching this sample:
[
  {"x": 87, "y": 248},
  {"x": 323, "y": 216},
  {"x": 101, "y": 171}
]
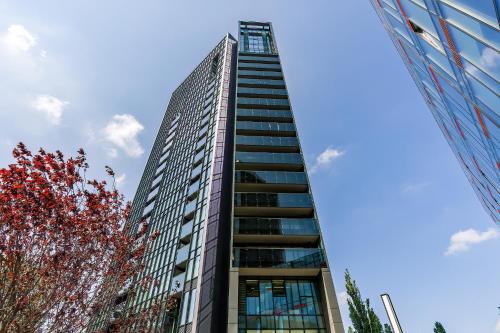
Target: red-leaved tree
[{"x": 65, "y": 249}]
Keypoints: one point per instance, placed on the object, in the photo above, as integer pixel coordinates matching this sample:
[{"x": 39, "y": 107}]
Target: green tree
[
  {"x": 387, "y": 328},
  {"x": 439, "y": 328},
  {"x": 362, "y": 316}
]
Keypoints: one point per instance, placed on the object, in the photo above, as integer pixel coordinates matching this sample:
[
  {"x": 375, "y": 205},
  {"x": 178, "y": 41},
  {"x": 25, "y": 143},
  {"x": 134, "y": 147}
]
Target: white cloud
[
  {"x": 342, "y": 298},
  {"x": 325, "y": 159},
  {"x": 120, "y": 180},
  {"x": 463, "y": 240},
  {"x": 497, "y": 326},
  {"x": 489, "y": 60},
  {"x": 122, "y": 132},
  {"x": 414, "y": 187},
  {"x": 111, "y": 152},
  {"x": 51, "y": 106},
  {"x": 19, "y": 39}
]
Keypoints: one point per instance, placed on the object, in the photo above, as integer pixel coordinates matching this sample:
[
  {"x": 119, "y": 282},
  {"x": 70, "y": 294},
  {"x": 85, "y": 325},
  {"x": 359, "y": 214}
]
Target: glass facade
[
  {"x": 451, "y": 49},
  {"x": 280, "y": 306},
  {"x": 226, "y": 169},
  {"x": 275, "y": 231}
]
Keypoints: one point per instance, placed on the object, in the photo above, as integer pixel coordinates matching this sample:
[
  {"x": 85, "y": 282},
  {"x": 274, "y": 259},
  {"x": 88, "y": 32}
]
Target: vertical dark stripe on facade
[{"x": 212, "y": 308}]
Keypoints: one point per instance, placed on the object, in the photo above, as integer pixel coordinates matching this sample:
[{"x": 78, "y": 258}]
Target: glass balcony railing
[
  {"x": 193, "y": 188},
  {"x": 269, "y": 177},
  {"x": 279, "y": 258},
  {"x": 275, "y": 200},
  {"x": 243, "y": 73},
  {"x": 268, "y": 158},
  {"x": 190, "y": 207},
  {"x": 268, "y": 102},
  {"x": 199, "y": 157},
  {"x": 177, "y": 284},
  {"x": 261, "y": 82},
  {"x": 265, "y": 126},
  {"x": 267, "y": 141},
  {"x": 186, "y": 230},
  {"x": 277, "y": 226},
  {"x": 261, "y": 66},
  {"x": 196, "y": 171},
  {"x": 261, "y": 91},
  {"x": 182, "y": 254},
  {"x": 259, "y": 59},
  {"x": 263, "y": 113}
]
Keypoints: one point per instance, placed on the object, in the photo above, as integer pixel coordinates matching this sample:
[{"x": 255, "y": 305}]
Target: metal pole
[{"x": 391, "y": 313}]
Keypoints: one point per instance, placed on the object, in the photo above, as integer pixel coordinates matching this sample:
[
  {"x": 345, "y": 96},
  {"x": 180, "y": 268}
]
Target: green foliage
[
  {"x": 362, "y": 316},
  {"x": 387, "y": 328},
  {"x": 439, "y": 328}
]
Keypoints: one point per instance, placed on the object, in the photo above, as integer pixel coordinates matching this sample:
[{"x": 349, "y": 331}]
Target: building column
[
  {"x": 331, "y": 306},
  {"x": 232, "y": 313}
]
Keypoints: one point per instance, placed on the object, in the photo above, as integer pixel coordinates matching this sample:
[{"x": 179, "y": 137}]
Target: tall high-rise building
[
  {"x": 226, "y": 186},
  {"x": 451, "y": 49}
]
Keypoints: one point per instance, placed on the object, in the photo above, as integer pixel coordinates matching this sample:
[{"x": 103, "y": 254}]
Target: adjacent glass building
[
  {"x": 451, "y": 49},
  {"x": 226, "y": 186}
]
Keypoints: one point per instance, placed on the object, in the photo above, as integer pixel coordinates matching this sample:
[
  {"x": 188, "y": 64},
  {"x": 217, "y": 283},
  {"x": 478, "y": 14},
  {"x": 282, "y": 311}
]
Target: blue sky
[{"x": 388, "y": 189}]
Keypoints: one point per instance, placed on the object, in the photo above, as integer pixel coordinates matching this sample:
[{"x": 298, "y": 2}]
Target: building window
[{"x": 280, "y": 306}]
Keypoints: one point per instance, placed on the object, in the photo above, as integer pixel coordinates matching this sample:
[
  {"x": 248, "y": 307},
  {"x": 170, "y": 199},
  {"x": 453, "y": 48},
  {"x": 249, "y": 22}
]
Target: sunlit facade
[
  {"x": 225, "y": 185},
  {"x": 451, "y": 49}
]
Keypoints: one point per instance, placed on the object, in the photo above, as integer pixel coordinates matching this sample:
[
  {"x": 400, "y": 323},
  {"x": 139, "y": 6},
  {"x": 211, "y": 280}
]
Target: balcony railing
[
  {"x": 269, "y": 161},
  {"x": 258, "y": 59},
  {"x": 269, "y": 177},
  {"x": 260, "y": 82},
  {"x": 267, "y": 127},
  {"x": 186, "y": 231},
  {"x": 279, "y": 258},
  {"x": 182, "y": 255},
  {"x": 274, "y": 200},
  {"x": 261, "y": 74},
  {"x": 258, "y": 66},
  {"x": 279, "y": 103},
  {"x": 261, "y": 91},
  {"x": 275, "y": 141},
  {"x": 263, "y": 114},
  {"x": 277, "y": 226}
]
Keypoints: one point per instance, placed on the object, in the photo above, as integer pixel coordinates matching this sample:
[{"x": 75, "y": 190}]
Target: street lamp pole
[{"x": 391, "y": 313}]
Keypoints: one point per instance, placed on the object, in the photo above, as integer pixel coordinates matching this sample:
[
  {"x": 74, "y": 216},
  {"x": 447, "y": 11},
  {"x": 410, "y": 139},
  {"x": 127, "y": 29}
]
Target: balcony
[
  {"x": 273, "y": 204},
  {"x": 259, "y": 66},
  {"x": 182, "y": 257},
  {"x": 265, "y": 128},
  {"x": 251, "y": 58},
  {"x": 279, "y": 261},
  {"x": 277, "y": 231},
  {"x": 259, "y": 74},
  {"x": 242, "y": 82},
  {"x": 193, "y": 190},
  {"x": 277, "y": 181},
  {"x": 262, "y": 92},
  {"x": 177, "y": 285},
  {"x": 268, "y": 161},
  {"x": 267, "y": 144},
  {"x": 186, "y": 232},
  {"x": 189, "y": 210},
  {"x": 284, "y": 116},
  {"x": 263, "y": 103}
]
